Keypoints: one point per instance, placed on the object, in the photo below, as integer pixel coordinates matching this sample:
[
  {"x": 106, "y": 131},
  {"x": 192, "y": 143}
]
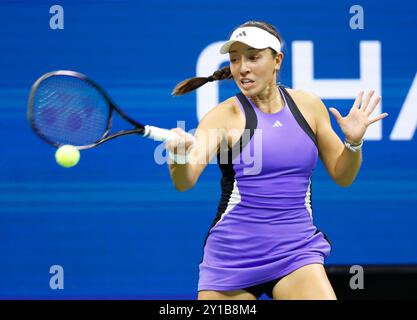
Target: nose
[{"x": 244, "y": 67}]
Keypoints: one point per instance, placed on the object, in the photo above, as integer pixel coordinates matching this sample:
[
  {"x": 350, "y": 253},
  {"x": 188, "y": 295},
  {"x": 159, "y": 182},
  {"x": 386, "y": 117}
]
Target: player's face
[{"x": 253, "y": 69}]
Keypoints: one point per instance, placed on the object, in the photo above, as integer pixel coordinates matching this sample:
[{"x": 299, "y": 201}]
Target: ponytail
[{"x": 191, "y": 84}]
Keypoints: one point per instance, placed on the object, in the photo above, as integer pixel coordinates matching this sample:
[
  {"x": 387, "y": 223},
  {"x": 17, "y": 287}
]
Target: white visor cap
[{"x": 254, "y": 37}]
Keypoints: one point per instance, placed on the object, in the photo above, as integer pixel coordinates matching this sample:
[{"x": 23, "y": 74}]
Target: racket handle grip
[{"x": 159, "y": 134}]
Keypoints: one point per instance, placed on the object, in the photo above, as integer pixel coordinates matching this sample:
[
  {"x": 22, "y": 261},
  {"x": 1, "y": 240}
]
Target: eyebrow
[{"x": 233, "y": 51}]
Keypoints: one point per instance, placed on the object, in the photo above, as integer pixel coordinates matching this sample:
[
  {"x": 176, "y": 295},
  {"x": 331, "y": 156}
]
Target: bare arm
[
  {"x": 342, "y": 164},
  {"x": 208, "y": 136}
]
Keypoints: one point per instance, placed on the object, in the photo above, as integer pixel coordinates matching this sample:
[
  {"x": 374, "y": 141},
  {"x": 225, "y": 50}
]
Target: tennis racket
[{"x": 66, "y": 107}]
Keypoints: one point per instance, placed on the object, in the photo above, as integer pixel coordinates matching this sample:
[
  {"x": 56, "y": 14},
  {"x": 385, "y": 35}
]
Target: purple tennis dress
[{"x": 264, "y": 227}]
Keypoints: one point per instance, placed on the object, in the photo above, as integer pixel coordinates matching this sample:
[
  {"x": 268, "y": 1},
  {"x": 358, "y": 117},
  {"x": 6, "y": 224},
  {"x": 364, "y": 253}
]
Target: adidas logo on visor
[{"x": 243, "y": 33}]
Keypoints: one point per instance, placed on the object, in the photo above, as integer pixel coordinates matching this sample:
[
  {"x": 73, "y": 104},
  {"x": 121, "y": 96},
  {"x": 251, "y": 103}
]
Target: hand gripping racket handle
[{"x": 159, "y": 134}]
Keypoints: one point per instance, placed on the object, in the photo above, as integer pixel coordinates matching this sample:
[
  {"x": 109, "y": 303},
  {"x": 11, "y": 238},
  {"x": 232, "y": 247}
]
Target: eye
[{"x": 253, "y": 57}]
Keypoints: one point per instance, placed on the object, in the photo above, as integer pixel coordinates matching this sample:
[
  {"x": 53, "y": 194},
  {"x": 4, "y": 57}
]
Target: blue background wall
[{"x": 115, "y": 222}]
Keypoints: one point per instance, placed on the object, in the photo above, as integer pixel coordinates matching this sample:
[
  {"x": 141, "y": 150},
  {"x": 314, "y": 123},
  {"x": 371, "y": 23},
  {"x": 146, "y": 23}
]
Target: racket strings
[{"x": 68, "y": 110}]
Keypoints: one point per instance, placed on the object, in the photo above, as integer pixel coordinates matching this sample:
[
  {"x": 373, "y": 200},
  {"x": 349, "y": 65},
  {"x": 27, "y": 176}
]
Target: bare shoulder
[
  {"x": 229, "y": 106},
  {"x": 224, "y": 114},
  {"x": 311, "y": 103},
  {"x": 305, "y": 97}
]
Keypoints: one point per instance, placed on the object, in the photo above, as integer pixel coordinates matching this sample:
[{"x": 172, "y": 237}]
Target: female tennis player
[{"x": 263, "y": 239}]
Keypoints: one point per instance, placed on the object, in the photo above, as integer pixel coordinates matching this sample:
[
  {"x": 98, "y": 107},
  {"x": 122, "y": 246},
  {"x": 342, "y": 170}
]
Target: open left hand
[{"x": 354, "y": 125}]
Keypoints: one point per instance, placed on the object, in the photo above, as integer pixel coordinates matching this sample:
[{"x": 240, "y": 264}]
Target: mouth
[{"x": 247, "y": 83}]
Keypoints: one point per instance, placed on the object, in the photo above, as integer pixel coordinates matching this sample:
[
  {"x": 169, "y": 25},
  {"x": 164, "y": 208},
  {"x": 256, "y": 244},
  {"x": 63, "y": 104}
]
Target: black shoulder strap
[
  {"x": 298, "y": 115},
  {"x": 250, "y": 126},
  {"x": 250, "y": 114}
]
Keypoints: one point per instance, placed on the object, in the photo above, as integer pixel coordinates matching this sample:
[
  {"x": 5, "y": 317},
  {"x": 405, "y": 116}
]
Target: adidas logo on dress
[{"x": 277, "y": 124}]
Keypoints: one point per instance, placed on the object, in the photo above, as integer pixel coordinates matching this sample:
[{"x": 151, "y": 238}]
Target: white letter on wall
[
  {"x": 57, "y": 20},
  {"x": 406, "y": 123}
]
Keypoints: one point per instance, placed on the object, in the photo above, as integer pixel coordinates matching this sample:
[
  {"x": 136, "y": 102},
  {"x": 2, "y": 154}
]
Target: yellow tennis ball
[{"x": 67, "y": 156}]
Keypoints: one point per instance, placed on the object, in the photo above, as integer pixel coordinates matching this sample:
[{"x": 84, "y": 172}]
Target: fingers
[
  {"x": 381, "y": 116},
  {"x": 179, "y": 131},
  {"x": 365, "y": 103},
  {"x": 373, "y": 105},
  {"x": 336, "y": 114},
  {"x": 366, "y": 107},
  {"x": 358, "y": 100},
  {"x": 181, "y": 143}
]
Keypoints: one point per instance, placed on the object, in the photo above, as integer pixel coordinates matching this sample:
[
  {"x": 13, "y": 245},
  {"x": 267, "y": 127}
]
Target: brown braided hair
[{"x": 191, "y": 84}]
